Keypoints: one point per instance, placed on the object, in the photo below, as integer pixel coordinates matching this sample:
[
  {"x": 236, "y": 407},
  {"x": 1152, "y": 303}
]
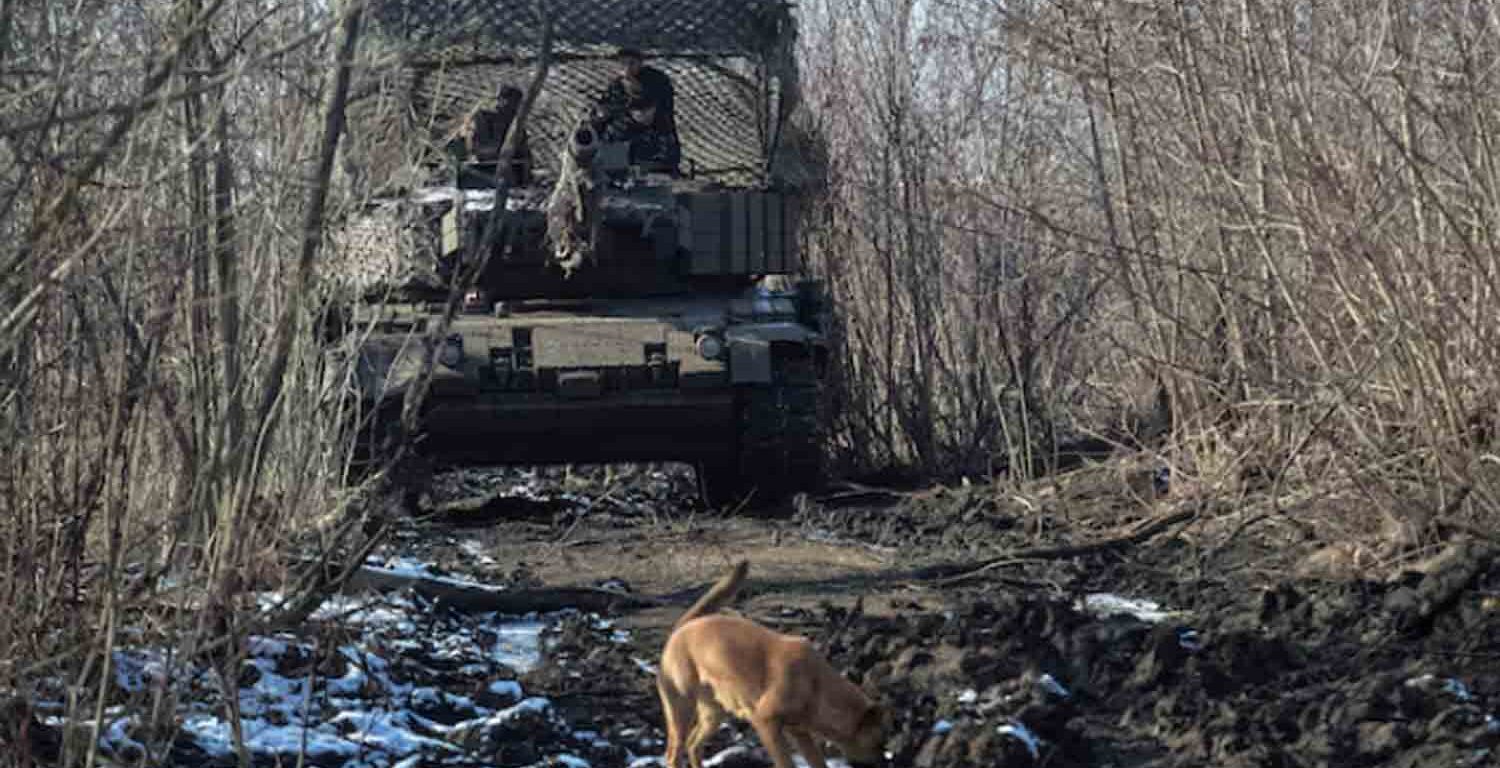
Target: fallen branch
[
  {"x": 482, "y": 598},
  {"x": 947, "y": 573},
  {"x": 855, "y": 491},
  {"x": 1447, "y": 576},
  {"x": 986, "y": 568}
]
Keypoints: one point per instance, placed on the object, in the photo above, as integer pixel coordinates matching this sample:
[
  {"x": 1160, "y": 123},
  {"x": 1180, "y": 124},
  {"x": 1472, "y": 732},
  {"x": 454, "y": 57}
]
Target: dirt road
[{"x": 1159, "y": 653}]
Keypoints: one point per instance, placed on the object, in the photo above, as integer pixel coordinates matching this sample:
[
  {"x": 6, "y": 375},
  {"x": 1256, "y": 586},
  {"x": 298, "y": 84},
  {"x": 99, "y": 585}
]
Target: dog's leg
[
  {"x": 676, "y": 710},
  {"x": 771, "y": 737},
  {"x": 808, "y": 745},
  {"x": 709, "y": 717}
]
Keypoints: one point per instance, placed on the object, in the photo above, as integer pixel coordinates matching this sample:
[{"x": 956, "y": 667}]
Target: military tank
[{"x": 618, "y": 313}]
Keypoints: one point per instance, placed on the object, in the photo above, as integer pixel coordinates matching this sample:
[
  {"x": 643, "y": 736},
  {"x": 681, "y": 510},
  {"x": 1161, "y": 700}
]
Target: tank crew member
[
  {"x": 650, "y": 147},
  {"x": 639, "y": 106},
  {"x": 636, "y": 80},
  {"x": 490, "y": 129}
]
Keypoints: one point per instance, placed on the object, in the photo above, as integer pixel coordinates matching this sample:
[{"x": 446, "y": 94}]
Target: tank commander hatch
[{"x": 639, "y": 107}]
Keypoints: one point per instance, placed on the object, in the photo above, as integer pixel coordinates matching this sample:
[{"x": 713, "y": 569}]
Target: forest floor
[{"x": 1072, "y": 622}]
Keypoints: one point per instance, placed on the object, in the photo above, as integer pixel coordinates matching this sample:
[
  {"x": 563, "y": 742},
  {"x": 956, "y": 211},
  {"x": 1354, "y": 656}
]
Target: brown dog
[{"x": 715, "y": 664}]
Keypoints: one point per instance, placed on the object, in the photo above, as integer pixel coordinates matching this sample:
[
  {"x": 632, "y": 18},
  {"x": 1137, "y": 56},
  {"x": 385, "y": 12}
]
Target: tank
[{"x": 619, "y": 311}]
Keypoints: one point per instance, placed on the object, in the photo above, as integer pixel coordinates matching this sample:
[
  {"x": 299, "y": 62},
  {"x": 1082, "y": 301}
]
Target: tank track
[
  {"x": 778, "y": 449},
  {"x": 376, "y": 442}
]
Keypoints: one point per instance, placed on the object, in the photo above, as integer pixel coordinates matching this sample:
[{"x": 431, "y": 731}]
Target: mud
[
  {"x": 1306, "y": 678},
  {"x": 1240, "y": 671},
  {"x": 1056, "y": 662},
  {"x": 942, "y": 521}
]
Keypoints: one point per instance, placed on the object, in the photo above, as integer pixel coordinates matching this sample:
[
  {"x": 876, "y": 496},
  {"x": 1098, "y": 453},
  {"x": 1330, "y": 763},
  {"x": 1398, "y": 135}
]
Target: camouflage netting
[
  {"x": 431, "y": 64},
  {"x": 711, "y": 27},
  {"x": 718, "y": 122},
  {"x": 730, "y": 60},
  {"x": 381, "y": 246}
]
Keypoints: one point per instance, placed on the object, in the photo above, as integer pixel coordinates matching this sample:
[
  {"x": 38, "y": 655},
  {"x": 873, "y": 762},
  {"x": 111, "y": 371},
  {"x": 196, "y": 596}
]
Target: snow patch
[
  {"x": 1104, "y": 605},
  {"x": 508, "y": 688},
  {"x": 741, "y": 752},
  {"x": 1049, "y": 684},
  {"x": 388, "y": 612},
  {"x": 518, "y": 644},
  {"x": 1189, "y": 640},
  {"x": 1451, "y": 686},
  {"x": 737, "y": 751},
  {"x": 401, "y": 566},
  {"x": 215, "y": 737},
  {"x": 361, "y": 710},
  {"x": 532, "y": 704},
  {"x": 116, "y": 740},
  {"x": 1018, "y": 731},
  {"x": 267, "y": 647},
  {"x": 137, "y": 670},
  {"x": 473, "y": 548},
  {"x": 389, "y": 732}
]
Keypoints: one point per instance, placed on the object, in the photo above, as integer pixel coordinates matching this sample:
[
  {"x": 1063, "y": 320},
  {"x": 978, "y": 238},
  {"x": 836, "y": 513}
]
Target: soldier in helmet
[{"x": 639, "y": 106}]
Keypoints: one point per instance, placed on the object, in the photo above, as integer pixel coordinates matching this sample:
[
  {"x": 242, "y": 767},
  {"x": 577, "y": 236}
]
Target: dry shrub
[
  {"x": 1280, "y": 214},
  {"x": 172, "y": 433}
]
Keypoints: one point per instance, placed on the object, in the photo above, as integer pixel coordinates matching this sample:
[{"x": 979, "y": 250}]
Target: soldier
[
  {"x": 650, "y": 147},
  {"x": 639, "y": 106},
  {"x": 490, "y": 129},
  {"x": 635, "y": 79}
]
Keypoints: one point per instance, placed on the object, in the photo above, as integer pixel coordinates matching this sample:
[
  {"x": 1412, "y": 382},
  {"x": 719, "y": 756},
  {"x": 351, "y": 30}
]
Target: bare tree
[
  {"x": 959, "y": 295},
  {"x": 170, "y": 437},
  {"x": 1271, "y": 220}
]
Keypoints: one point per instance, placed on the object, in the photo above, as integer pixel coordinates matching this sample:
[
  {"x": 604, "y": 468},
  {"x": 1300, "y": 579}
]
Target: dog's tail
[{"x": 718, "y": 595}]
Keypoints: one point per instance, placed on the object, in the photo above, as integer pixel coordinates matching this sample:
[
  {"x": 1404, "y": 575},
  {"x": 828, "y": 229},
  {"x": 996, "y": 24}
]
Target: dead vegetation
[
  {"x": 174, "y": 438},
  {"x": 1255, "y": 239},
  {"x": 1252, "y": 244}
]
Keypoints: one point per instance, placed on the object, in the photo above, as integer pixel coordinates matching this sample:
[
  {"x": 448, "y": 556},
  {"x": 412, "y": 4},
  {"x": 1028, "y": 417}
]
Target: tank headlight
[{"x": 710, "y": 346}]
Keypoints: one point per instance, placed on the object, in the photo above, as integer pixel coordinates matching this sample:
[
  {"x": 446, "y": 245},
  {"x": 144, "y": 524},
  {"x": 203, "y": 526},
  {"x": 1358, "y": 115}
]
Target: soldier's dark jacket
[
  {"x": 651, "y": 83},
  {"x": 649, "y": 145},
  {"x": 490, "y": 127}
]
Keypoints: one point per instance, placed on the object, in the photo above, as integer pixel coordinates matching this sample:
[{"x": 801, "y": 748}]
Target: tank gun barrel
[{"x": 585, "y": 142}]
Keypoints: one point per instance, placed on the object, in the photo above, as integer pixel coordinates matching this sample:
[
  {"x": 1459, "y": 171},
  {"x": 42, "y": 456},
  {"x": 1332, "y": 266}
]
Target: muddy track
[
  {"x": 1015, "y": 665},
  {"x": 1062, "y": 652}
]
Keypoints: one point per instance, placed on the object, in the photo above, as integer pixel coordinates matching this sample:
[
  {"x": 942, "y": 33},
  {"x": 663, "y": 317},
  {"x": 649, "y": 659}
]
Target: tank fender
[
  {"x": 388, "y": 366},
  {"x": 750, "y": 348}
]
